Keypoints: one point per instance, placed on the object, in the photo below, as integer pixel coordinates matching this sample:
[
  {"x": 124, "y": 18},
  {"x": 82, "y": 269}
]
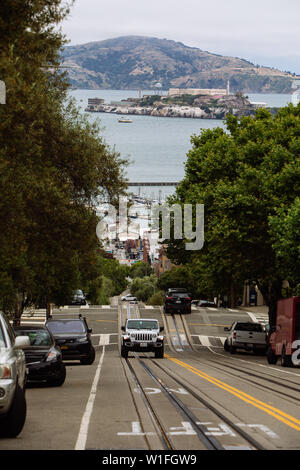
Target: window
[
  {"x": 39, "y": 337},
  {"x": 255, "y": 327},
  {"x": 2, "y": 338},
  {"x": 68, "y": 326},
  {"x": 142, "y": 325},
  {"x": 10, "y": 331}
]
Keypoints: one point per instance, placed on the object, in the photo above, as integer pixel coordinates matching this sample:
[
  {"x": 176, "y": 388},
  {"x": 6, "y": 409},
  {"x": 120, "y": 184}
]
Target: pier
[{"x": 153, "y": 183}]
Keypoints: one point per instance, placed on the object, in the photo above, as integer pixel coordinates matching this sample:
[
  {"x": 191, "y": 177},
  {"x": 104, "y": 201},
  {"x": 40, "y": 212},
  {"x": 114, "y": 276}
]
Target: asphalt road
[{"x": 198, "y": 397}]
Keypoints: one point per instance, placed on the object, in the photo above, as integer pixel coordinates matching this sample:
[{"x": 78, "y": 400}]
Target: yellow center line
[{"x": 275, "y": 412}]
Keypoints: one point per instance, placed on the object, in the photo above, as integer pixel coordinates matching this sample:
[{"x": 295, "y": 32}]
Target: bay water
[{"x": 156, "y": 146}]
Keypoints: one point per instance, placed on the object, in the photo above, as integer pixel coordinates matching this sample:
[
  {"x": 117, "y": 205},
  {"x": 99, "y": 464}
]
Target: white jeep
[{"x": 142, "y": 335}]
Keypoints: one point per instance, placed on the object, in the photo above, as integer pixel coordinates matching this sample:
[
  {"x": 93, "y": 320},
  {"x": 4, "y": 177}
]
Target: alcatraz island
[{"x": 179, "y": 102}]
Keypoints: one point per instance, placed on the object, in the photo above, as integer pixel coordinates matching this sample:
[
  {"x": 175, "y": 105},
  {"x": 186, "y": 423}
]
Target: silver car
[{"x": 12, "y": 380}]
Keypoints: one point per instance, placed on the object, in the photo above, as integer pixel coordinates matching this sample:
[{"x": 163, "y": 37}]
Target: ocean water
[{"x": 157, "y": 147}]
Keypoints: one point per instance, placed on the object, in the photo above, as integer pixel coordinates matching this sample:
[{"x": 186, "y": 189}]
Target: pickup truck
[
  {"x": 12, "y": 380},
  {"x": 245, "y": 335},
  {"x": 142, "y": 334}
]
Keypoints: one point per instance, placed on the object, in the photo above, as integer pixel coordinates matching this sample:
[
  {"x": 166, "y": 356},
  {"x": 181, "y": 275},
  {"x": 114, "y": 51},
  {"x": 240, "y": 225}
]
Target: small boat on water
[{"x": 123, "y": 119}]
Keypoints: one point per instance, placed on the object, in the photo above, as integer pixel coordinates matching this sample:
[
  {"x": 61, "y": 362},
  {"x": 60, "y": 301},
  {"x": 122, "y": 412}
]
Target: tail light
[
  {"x": 234, "y": 335},
  {"x": 169, "y": 298},
  {"x": 188, "y": 298}
]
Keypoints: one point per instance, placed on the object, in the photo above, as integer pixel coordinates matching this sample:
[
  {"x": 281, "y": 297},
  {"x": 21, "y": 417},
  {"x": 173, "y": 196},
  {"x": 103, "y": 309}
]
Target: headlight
[
  {"x": 132, "y": 335},
  {"x": 52, "y": 355},
  {"x": 82, "y": 340},
  {"x": 5, "y": 371},
  {"x": 160, "y": 338}
]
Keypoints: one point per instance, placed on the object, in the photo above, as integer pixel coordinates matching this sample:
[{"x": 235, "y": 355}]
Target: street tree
[
  {"x": 54, "y": 164},
  {"x": 243, "y": 175}
]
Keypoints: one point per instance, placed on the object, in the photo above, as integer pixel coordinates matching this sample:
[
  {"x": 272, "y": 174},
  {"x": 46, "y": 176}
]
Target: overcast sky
[{"x": 266, "y": 32}]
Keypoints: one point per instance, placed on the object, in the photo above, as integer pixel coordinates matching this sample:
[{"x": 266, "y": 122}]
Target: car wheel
[
  {"x": 226, "y": 347},
  {"x": 12, "y": 423},
  {"x": 159, "y": 353},
  {"x": 271, "y": 357},
  {"x": 60, "y": 379},
  {"x": 232, "y": 349},
  {"x": 124, "y": 352},
  {"x": 90, "y": 358}
]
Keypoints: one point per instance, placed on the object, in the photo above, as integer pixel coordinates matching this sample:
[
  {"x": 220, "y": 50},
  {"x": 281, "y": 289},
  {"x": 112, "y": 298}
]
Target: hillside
[{"x": 132, "y": 62}]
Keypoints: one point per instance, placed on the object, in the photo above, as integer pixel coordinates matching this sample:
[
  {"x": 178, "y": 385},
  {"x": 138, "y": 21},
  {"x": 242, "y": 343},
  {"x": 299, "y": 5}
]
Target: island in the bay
[{"x": 187, "y": 103}]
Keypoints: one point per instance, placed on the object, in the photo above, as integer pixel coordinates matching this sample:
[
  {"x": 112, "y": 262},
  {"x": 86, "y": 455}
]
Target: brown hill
[{"x": 132, "y": 62}]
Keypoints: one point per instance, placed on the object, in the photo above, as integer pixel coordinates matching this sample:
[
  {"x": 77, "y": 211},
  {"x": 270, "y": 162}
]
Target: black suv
[
  {"x": 73, "y": 336},
  {"x": 177, "y": 300}
]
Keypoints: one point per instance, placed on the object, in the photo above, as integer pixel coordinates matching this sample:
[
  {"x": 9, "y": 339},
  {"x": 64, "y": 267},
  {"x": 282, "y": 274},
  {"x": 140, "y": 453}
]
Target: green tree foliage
[
  {"x": 140, "y": 269},
  {"x": 247, "y": 177},
  {"x": 143, "y": 287},
  {"x": 156, "y": 299},
  {"x": 54, "y": 165},
  {"x": 285, "y": 233},
  {"x": 183, "y": 276},
  {"x": 108, "y": 278}
]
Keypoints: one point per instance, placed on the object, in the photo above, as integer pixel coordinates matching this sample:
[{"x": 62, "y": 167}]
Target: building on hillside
[
  {"x": 146, "y": 251},
  {"x": 162, "y": 264},
  {"x": 95, "y": 101},
  {"x": 197, "y": 91}
]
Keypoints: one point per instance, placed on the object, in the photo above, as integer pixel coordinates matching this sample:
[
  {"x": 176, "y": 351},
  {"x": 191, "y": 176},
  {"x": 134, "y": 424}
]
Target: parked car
[
  {"x": 177, "y": 301},
  {"x": 43, "y": 357},
  {"x": 245, "y": 335},
  {"x": 142, "y": 334},
  {"x": 78, "y": 298},
  {"x": 128, "y": 298},
  {"x": 286, "y": 331},
  {"x": 73, "y": 336},
  {"x": 206, "y": 303},
  {"x": 12, "y": 380}
]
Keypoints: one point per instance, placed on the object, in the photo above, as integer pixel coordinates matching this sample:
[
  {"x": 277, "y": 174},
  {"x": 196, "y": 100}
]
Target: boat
[{"x": 123, "y": 119}]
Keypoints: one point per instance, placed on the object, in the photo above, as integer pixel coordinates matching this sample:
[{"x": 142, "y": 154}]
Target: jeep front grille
[{"x": 143, "y": 337}]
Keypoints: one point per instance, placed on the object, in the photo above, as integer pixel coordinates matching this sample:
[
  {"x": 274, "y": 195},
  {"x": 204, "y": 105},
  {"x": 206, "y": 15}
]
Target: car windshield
[
  {"x": 66, "y": 326},
  {"x": 142, "y": 325},
  {"x": 256, "y": 327},
  {"x": 38, "y": 337},
  {"x": 2, "y": 339}
]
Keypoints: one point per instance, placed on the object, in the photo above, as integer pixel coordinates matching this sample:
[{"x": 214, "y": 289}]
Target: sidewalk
[{"x": 260, "y": 310}]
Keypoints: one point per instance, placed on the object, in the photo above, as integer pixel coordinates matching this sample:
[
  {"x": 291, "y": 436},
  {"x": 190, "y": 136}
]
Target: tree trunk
[
  {"x": 232, "y": 296},
  {"x": 19, "y": 307},
  {"x": 272, "y": 293},
  {"x": 48, "y": 310}
]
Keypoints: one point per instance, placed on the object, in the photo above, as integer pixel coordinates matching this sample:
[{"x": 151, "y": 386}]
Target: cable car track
[
  {"x": 208, "y": 441},
  {"x": 232, "y": 368}
]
